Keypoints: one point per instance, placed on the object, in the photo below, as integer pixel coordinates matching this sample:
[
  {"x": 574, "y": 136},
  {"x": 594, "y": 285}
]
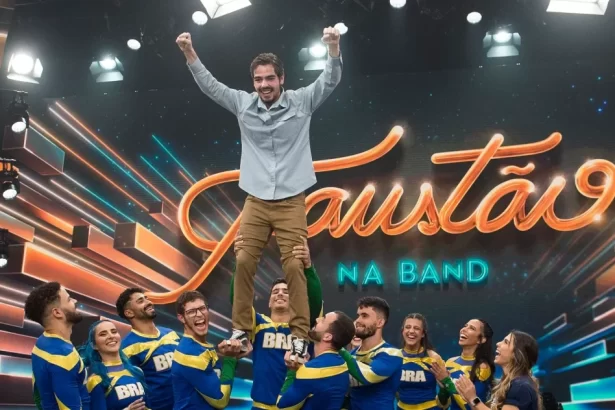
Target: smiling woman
[{"x": 115, "y": 383}]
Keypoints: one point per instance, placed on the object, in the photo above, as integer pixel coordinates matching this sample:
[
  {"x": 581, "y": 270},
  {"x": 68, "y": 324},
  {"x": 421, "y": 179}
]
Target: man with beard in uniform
[
  {"x": 58, "y": 373},
  {"x": 148, "y": 347},
  {"x": 375, "y": 365}
]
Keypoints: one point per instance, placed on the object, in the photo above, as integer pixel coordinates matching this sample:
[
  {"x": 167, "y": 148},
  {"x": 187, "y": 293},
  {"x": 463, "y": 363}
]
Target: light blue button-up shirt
[{"x": 276, "y": 160}]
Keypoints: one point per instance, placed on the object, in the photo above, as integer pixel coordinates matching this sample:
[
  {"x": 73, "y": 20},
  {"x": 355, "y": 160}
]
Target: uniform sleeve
[
  {"x": 520, "y": 395},
  {"x": 482, "y": 384},
  {"x": 98, "y": 401},
  {"x": 86, "y": 401},
  {"x": 215, "y": 391},
  {"x": 224, "y": 96},
  {"x": 316, "y": 93},
  {"x": 314, "y": 292},
  {"x": 383, "y": 366},
  {"x": 296, "y": 395},
  {"x": 68, "y": 392}
]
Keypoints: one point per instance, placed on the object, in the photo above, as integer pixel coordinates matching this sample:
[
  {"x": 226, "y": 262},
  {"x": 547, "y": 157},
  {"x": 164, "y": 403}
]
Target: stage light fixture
[
  {"x": 502, "y": 42},
  {"x": 4, "y": 247},
  {"x": 25, "y": 68},
  {"x": 133, "y": 44},
  {"x": 199, "y": 18},
  {"x": 398, "y": 4},
  {"x": 9, "y": 175},
  {"x": 219, "y": 8},
  {"x": 318, "y": 51},
  {"x": 342, "y": 28},
  {"x": 595, "y": 7},
  {"x": 313, "y": 63},
  {"x": 109, "y": 69},
  {"x": 18, "y": 116},
  {"x": 475, "y": 17}
]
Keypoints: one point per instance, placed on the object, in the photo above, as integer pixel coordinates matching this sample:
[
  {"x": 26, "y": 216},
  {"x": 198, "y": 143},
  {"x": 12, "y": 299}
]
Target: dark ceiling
[{"x": 425, "y": 35}]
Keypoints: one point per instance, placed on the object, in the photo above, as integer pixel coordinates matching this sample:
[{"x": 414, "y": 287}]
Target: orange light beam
[
  {"x": 83, "y": 201},
  {"x": 190, "y": 183},
  {"x": 74, "y": 255},
  {"x": 113, "y": 152},
  {"x": 226, "y": 196},
  {"x": 85, "y": 162},
  {"x": 33, "y": 222}
]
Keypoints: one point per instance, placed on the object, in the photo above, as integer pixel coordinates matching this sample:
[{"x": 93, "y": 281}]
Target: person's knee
[
  {"x": 245, "y": 261},
  {"x": 292, "y": 264}
]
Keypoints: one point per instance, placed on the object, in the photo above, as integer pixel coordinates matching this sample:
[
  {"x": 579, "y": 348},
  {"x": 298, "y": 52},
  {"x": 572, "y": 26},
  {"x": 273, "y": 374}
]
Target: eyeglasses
[{"x": 192, "y": 312}]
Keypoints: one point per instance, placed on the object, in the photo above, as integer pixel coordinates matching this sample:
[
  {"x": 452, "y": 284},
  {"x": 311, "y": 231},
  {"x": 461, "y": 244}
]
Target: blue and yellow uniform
[
  {"x": 154, "y": 355},
  {"x": 196, "y": 383},
  {"x": 320, "y": 384},
  {"x": 58, "y": 374},
  {"x": 271, "y": 341},
  {"x": 418, "y": 387},
  {"x": 123, "y": 389},
  {"x": 461, "y": 365},
  {"x": 378, "y": 374}
]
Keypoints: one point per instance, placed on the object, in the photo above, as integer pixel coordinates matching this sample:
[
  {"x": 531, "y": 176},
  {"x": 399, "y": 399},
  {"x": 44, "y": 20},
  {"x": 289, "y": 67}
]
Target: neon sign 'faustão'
[{"x": 437, "y": 219}]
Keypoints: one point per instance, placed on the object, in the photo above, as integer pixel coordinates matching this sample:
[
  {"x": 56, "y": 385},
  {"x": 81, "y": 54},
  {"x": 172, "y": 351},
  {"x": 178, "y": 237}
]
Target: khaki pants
[{"x": 258, "y": 220}]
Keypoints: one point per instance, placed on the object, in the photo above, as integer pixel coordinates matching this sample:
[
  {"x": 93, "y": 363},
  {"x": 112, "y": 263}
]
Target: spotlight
[
  {"x": 133, "y": 44},
  {"x": 313, "y": 57},
  {"x": 9, "y": 175},
  {"x": 398, "y": 4},
  {"x": 342, "y": 28},
  {"x": 475, "y": 17},
  {"x": 318, "y": 51},
  {"x": 4, "y": 247},
  {"x": 107, "y": 70},
  {"x": 199, "y": 18},
  {"x": 23, "y": 67},
  {"x": 19, "y": 119},
  {"x": 597, "y": 7},
  {"x": 503, "y": 42},
  {"x": 219, "y": 8}
]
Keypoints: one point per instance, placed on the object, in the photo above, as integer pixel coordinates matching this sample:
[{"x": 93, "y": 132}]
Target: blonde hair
[{"x": 525, "y": 354}]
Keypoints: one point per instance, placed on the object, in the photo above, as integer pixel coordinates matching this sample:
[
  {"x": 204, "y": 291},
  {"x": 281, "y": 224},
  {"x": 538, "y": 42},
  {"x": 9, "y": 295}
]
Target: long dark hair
[
  {"x": 524, "y": 357},
  {"x": 91, "y": 359},
  {"x": 425, "y": 343},
  {"x": 484, "y": 353}
]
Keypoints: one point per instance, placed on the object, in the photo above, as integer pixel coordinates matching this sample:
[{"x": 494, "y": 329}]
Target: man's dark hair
[
  {"x": 277, "y": 282},
  {"x": 342, "y": 330},
  {"x": 266, "y": 59},
  {"x": 39, "y": 301},
  {"x": 378, "y": 304},
  {"x": 123, "y": 300},
  {"x": 187, "y": 297}
]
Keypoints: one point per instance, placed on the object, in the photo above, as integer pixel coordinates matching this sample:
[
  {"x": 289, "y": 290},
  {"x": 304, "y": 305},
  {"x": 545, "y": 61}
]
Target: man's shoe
[{"x": 242, "y": 337}]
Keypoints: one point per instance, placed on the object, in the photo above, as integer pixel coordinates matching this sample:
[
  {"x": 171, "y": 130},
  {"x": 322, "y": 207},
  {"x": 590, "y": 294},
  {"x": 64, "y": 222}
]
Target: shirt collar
[{"x": 282, "y": 102}]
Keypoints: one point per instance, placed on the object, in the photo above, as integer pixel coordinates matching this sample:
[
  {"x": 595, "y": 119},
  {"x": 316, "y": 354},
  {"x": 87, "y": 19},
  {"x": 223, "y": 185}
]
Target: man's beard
[
  {"x": 143, "y": 315},
  {"x": 368, "y": 331},
  {"x": 73, "y": 317},
  {"x": 314, "y": 335}
]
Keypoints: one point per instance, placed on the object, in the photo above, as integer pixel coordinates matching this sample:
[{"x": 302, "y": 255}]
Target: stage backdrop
[{"x": 103, "y": 177}]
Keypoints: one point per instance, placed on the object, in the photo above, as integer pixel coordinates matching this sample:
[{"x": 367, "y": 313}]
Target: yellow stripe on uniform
[
  {"x": 264, "y": 406},
  {"x": 65, "y": 362},
  {"x": 223, "y": 402},
  {"x": 61, "y": 405},
  {"x": 420, "y": 361},
  {"x": 199, "y": 362},
  {"x": 421, "y": 406},
  {"x": 170, "y": 338},
  {"x": 321, "y": 372}
]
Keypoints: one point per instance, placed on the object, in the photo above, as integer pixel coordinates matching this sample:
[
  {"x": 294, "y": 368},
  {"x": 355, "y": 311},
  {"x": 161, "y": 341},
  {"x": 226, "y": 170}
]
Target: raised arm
[
  {"x": 227, "y": 97},
  {"x": 215, "y": 391},
  {"x": 383, "y": 366},
  {"x": 316, "y": 93}
]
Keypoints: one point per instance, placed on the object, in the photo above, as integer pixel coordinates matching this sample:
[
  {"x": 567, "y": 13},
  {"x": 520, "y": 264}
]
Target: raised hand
[
  {"x": 231, "y": 348},
  {"x": 331, "y": 36},
  {"x": 302, "y": 252},
  {"x": 184, "y": 41},
  {"x": 137, "y": 405}
]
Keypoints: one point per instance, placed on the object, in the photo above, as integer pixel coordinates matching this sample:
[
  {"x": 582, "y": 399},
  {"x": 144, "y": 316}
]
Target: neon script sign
[{"x": 437, "y": 218}]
